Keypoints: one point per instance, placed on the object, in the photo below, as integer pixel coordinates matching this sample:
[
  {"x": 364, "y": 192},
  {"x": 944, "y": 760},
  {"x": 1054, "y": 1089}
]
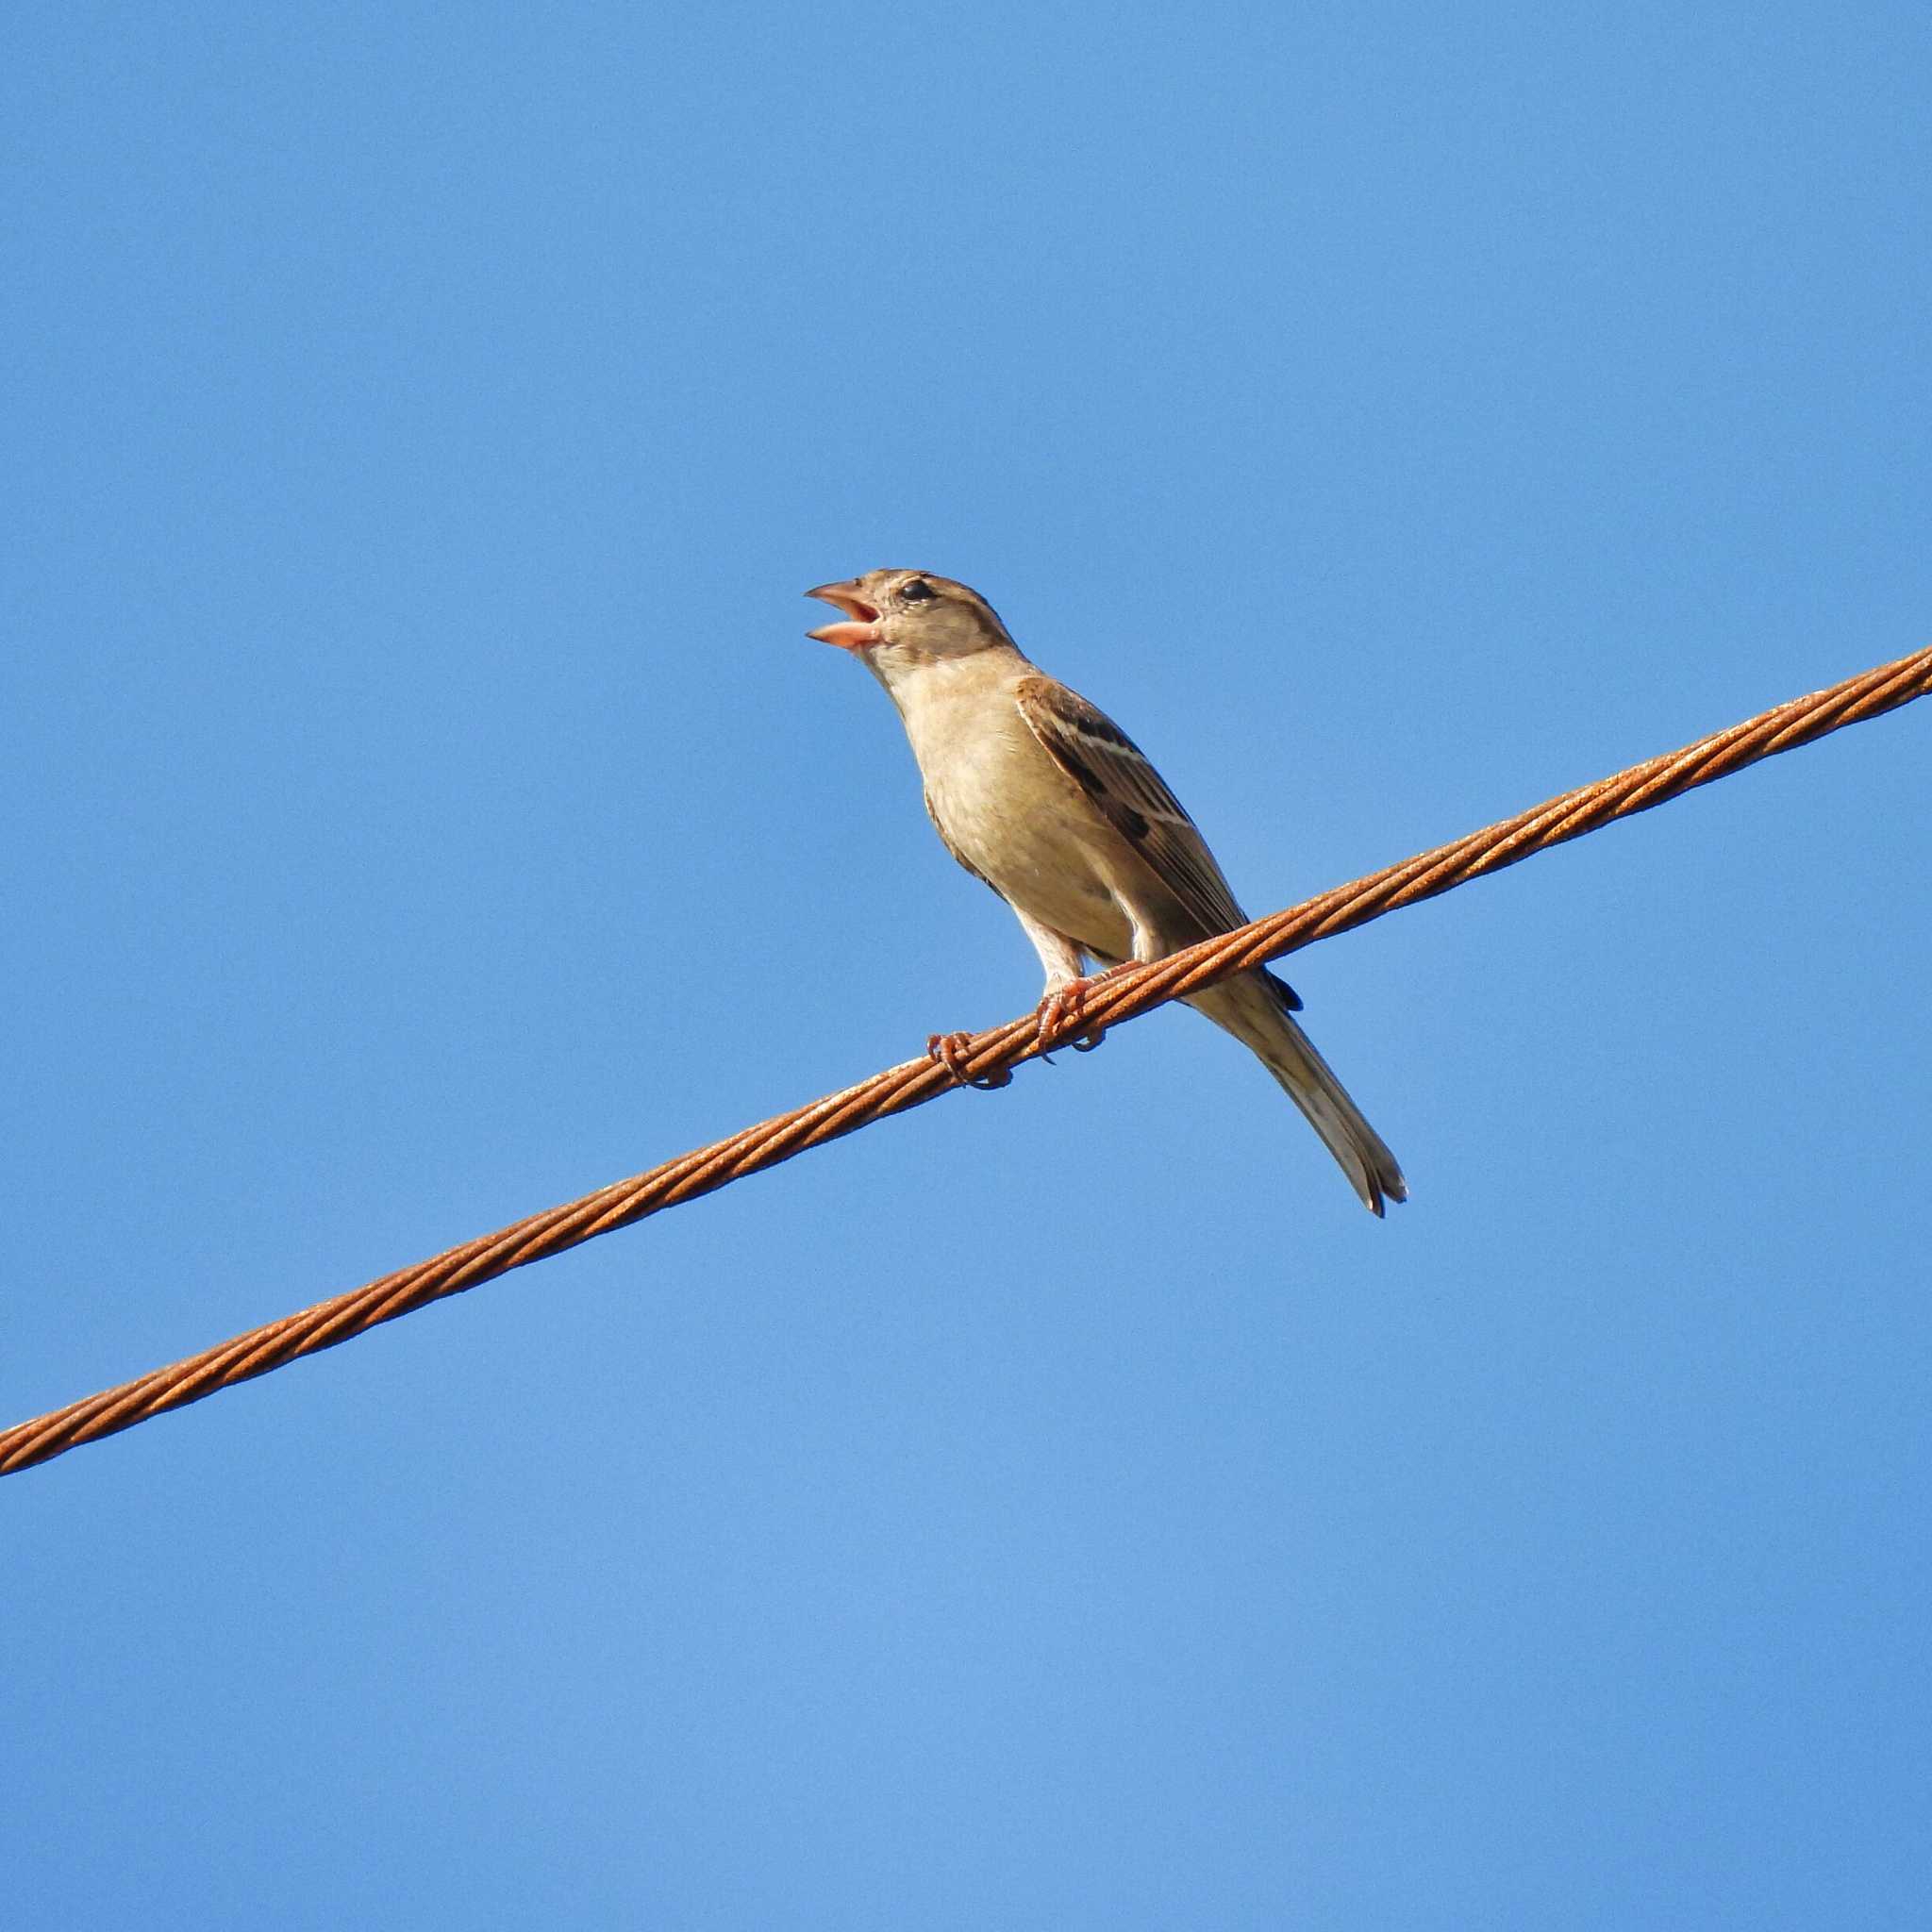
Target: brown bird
[{"x": 1046, "y": 799}]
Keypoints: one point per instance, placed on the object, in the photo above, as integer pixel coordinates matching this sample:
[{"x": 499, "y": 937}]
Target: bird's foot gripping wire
[
  {"x": 951, "y": 1051},
  {"x": 1061, "y": 1011}
]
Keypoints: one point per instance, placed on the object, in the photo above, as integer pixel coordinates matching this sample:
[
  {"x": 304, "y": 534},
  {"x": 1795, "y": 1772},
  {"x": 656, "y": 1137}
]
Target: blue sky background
[{"x": 1061, "y": 1508}]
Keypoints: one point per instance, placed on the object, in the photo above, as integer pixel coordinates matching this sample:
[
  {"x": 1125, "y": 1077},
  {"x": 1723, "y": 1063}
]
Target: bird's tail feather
[
  {"x": 1310, "y": 1080},
  {"x": 1250, "y": 1008}
]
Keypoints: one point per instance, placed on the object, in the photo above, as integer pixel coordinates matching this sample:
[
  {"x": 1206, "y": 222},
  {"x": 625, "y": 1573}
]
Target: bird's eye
[{"x": 917, "y": 590}]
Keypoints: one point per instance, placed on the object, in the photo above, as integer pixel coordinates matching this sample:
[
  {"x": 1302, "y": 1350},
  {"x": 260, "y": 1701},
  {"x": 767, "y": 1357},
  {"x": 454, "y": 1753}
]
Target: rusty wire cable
[{"x": 1122, "y": 995}]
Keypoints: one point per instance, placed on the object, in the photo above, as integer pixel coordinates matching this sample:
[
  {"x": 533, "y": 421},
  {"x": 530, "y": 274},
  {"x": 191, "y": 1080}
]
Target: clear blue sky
[{"x": 1060, "y": 1508}]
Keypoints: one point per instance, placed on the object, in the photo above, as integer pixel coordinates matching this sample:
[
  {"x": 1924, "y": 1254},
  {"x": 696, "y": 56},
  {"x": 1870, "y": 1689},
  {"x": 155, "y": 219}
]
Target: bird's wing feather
[{"x": 1113, "y": 771}]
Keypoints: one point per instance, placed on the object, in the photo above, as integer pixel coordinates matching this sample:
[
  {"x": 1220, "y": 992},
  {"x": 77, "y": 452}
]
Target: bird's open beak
[{"x": 856, "y": 635}]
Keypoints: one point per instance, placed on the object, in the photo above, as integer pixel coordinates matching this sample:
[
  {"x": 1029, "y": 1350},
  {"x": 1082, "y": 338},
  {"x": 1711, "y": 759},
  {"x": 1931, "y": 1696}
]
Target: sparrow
[{"x": 1041, "y": 796}]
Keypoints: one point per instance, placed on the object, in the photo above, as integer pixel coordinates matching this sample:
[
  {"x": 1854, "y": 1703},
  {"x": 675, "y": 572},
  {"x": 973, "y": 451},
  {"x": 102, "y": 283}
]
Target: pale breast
[{"x": 1009, "y": 812}]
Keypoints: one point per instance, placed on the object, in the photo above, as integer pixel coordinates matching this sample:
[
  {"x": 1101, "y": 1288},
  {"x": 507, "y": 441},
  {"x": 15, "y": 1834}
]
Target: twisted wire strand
[{"x": 1122, "y": 995}]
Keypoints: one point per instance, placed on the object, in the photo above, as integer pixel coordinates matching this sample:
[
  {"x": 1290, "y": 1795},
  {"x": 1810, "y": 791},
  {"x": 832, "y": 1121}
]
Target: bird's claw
[
  {"x": 1060, "y": 1010},
  {"x": 951, "y": 1050}
]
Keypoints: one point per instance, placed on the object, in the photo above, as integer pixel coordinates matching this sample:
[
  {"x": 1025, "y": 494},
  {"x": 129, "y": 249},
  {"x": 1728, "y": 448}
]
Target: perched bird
[{"x": 1049, "y": 802}]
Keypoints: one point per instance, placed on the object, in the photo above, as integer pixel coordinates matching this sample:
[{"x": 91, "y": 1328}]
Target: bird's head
[{"x": 908, "y": 617}]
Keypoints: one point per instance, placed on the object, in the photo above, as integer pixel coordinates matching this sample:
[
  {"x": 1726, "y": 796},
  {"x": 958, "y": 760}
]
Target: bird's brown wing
[{"x": 1114, "y": 773}]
